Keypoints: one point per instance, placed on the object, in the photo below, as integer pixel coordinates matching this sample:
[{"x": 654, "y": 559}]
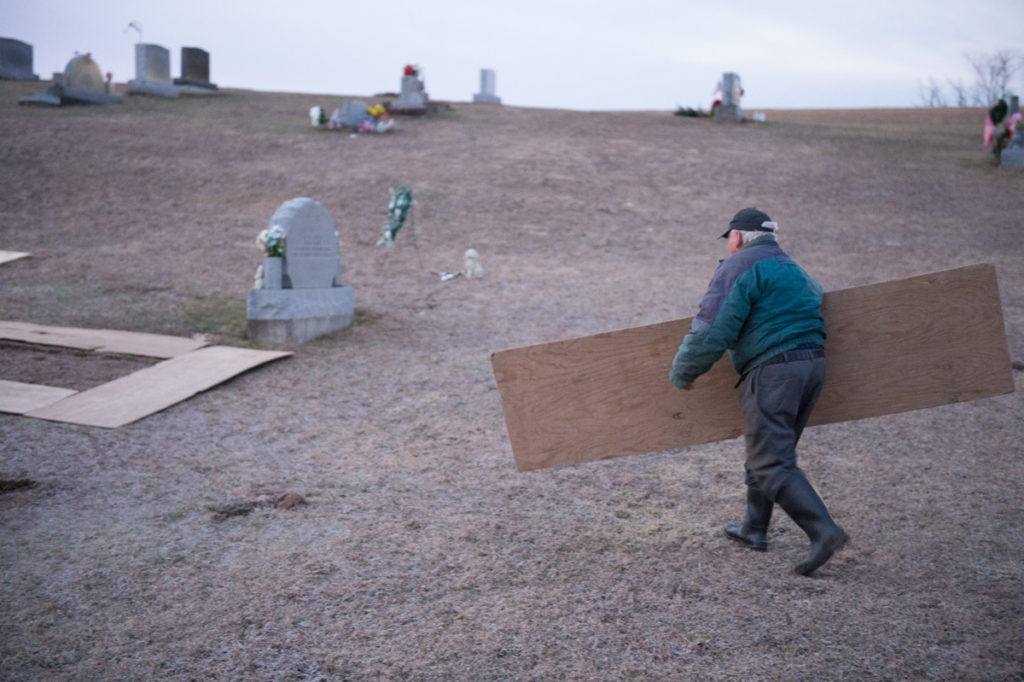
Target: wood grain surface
[
  {"x": 8, "y": 256},
  {"x": 18, "y": 398},
  {"x": 892, "y": 347},
  {"x": 101, "y": 340},
  {"x": 152, "y": 389}
]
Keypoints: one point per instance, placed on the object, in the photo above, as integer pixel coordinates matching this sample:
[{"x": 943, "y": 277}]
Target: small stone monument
[
  {"x": 732, "y": 91},
  {"x": 1013, "y": 155},
  {"x": 301, "y": 296},
  {"x": 152, "y": 72},
  {"x": 16, "y": 60},
  {"x": 352, "y": 113},
  {"x": 486, "y": 93},
  {"x": 80, "y": 83},
  {"x": 412, "y": 99},
  {"x": 195, "y": 72}
]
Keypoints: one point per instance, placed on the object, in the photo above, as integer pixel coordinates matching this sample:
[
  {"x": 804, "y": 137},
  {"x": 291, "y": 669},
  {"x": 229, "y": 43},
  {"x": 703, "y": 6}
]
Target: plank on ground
[
  {"x": 892, "y": 347},
  {"x": 155, "y": 388},
  {"x": 19, "y": 398},
  {"x": 8, "y": 256},
  {"x": 101, "y": 340}
]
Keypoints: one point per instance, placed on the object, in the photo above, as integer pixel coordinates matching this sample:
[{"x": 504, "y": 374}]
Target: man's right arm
[{"x": 715, "y": 329}]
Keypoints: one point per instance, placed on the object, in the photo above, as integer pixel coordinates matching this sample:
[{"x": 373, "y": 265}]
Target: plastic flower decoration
[
  {"x": 271, "y": 241},
  {"x": 411, "y": 70},
  {"x": 317, "y": 116},
  {"x": 398, "y": 209}
]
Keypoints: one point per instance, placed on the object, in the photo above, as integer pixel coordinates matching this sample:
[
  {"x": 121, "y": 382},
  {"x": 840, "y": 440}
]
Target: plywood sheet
[
  {"x": 8, "y": 256},
  {"x": 155, "y": 388},
  {"x": 101, "y": 340},
  {"x": 896, "y": 346},
  {"x": 18, "y": 398}
]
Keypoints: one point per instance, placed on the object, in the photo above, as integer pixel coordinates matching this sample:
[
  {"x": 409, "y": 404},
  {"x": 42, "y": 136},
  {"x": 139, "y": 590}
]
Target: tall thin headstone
[
  {"x": 152, "y": 72},
  {"x": 732, "y": 91},
  {"x": 16, "y": 60},
  {"x": 486, "y": 93}
]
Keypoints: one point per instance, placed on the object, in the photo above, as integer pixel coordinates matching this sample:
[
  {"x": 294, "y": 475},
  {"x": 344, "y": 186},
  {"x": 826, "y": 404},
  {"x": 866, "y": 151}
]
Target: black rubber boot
[
  {"x": 800, "y": 500},
  {"x": 754, "y": 529}
]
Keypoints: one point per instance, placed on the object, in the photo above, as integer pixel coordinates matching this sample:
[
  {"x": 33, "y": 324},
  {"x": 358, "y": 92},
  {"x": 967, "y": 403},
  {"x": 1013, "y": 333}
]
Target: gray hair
[{"x": 750, "y": 235}]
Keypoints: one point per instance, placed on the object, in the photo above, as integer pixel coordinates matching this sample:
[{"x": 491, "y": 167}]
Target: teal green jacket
[{"x": 760, "y": 303}]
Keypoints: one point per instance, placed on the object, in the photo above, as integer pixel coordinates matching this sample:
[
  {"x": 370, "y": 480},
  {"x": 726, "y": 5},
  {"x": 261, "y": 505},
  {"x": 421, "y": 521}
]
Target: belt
[
  {"x": 788, "y": 356},
  {"x": 794, "y": 355}
]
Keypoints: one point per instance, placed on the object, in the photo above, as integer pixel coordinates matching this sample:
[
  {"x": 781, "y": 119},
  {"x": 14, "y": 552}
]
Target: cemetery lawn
[{"x": 422, "y": 554}]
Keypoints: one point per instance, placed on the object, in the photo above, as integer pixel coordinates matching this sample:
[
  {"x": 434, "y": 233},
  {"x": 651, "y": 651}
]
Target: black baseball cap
[{"x": 750, "y": 220}]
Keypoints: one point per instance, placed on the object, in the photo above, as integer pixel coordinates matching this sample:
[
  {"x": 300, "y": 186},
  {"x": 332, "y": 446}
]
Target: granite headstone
[
  {"x": 732, "y": 91},
  {"x": 195, "y": 70},
  {"x": 411, "y": 99},
  {"x": 16, "y": 60},
  {"x": 1013, "y": 155},
  {"x": 311, "y": 300},
  {"x": 152, "y": 72},
  {"x": 352, "y": 113},
  {"x": 486, "y": 93}
]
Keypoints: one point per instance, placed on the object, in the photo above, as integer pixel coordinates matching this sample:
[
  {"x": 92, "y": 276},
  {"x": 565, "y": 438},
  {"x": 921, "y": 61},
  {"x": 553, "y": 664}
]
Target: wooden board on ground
[
  {"x": 8, "y": 256},
  {"x": 19, "y": 398},
  {"x": 101, "y": 340},
  {"x": 892, "y": 347},
  {"x": 155, "y": 388}
]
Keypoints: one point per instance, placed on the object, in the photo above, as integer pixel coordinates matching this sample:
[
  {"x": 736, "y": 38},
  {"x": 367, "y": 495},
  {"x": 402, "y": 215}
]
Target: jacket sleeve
[{"x": 723, "y": 311}]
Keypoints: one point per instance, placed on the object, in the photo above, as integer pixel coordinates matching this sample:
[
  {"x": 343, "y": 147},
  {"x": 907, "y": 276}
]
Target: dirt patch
[{"x": 64, "y": 367}]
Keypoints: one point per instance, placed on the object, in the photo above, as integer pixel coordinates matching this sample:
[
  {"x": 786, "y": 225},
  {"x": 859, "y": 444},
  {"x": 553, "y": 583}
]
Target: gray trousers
[{"x": 777, "y": 400}]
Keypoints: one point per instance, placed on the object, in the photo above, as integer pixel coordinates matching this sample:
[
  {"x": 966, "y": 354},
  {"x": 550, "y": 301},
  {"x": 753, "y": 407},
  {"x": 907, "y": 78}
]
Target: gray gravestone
[
  {"x": 311, "y": 301},
  {"x": 486, "y": 93},
  {"x": 352, "y": 113},
  {"x": 16, "y": 60},
  {"x": 411, "y": 98},
  {"x": 732, "y": 90},
  {"x": 195, "y": 69},
  {"x": 80, "y": 83},
  {"x": 1013, "y": 155},
  {"x": 311, "y": 245},
  {"x": 152, "y": 72}
]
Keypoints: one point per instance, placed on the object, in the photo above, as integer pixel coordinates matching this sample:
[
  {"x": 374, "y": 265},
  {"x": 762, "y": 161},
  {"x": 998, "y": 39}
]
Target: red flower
[{"x": 410, "y": 71}]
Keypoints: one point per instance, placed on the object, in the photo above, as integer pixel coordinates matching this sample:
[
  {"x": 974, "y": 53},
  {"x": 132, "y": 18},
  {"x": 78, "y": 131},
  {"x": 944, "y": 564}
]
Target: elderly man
[{"x": 766, "y": 311}]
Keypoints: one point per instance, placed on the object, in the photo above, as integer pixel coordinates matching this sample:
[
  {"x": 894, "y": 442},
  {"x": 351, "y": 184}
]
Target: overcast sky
[{"x": 572, "y": 54}]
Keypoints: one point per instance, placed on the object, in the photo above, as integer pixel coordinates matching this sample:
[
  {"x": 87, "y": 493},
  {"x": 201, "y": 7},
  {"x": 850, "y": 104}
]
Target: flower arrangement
[
  {"x": 271, "y": 241},
  {"x": 411, "y": 70},
  {"x": 398, "y": 208},
  {"x": 377, "y": 111},
  {"x": 317, "y": 116}
]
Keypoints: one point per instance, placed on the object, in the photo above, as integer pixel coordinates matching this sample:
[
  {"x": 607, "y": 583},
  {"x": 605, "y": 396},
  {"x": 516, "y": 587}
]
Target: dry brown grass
[{"x": 422, "y": 554}]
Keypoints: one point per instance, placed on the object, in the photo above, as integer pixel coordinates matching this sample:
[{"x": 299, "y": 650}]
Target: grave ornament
[
  {"x": 398, "y": 209},
  {"x": 80, "y": 83}
]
